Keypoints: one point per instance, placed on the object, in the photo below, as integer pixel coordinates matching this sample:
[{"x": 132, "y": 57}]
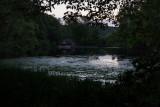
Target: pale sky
[{"x": 59, "y": 11}]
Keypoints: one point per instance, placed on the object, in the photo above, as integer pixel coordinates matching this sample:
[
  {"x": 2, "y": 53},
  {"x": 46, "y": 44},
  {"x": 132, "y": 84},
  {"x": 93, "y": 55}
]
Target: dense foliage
[
  {"x": 33, "y": 34},
  {"x": 20, "y": 36},
  {"x": 139, "y": 22}
]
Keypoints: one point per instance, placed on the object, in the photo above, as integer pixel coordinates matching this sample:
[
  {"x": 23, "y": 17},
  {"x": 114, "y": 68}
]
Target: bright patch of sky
[{"x": 59, "y": 11}]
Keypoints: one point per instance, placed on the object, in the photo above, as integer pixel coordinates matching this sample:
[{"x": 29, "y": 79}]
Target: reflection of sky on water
[
  {"x": 109, "y": 61},
  {"x": 99, "y": 67},
  {"x": 104, "y": 61},
  {"x": 97, "y": 62}
]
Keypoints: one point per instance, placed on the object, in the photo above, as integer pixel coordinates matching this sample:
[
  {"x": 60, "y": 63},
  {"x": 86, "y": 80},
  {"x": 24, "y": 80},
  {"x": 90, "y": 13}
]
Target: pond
[{"x": 103, "y": 66}]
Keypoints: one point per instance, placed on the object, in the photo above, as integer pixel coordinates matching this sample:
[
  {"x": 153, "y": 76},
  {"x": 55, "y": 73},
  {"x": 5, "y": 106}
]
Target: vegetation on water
[{"x": 27, "y": 88}]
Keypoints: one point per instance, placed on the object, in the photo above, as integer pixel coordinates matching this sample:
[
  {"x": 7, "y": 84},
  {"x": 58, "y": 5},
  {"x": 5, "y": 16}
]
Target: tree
[
  {"x": 139, "y": 21},
  {"x": 135, "y": 17},
  {"x": 135, "y": 22},
  {"x": 21, "y": 36},
  {"x": 98, "y": 10}
]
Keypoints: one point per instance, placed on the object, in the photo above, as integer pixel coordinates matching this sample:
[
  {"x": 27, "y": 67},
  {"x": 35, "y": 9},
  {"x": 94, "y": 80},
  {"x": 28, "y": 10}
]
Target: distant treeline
[{"x": 39, "y": 34}]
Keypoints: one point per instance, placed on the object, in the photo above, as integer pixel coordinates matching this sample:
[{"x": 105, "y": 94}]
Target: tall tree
[{"x": 140, "y": 21}]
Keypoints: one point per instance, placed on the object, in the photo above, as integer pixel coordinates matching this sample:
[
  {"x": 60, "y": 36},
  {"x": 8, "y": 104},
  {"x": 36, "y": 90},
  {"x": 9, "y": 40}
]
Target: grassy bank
[{"x": 25, "y": 88}]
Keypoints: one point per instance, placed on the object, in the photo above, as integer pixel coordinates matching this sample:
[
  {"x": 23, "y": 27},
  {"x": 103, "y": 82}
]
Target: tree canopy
[
  {"x": 37, "y": 34},
  {"x": 138, "y": 21},
  {"x": 98, "y": 10}
]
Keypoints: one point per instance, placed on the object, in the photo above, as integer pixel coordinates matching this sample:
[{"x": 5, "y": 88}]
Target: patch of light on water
[
  {"x": 94, "y": 67},
  {"x": 104, "y": 61}
]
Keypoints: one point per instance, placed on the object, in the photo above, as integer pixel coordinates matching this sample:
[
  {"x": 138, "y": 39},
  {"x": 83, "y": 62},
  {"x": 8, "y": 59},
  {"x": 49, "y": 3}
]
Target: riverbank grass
[{"x": 25, "y": 88}]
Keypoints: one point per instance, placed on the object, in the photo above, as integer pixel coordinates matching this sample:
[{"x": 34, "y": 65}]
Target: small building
[{"x": 66, "y": 46}]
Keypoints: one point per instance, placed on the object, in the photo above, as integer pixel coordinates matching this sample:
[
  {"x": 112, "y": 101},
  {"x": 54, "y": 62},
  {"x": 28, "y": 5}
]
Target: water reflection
[
  {"x": 103, "y": 64},
  {"x": 105, "y": 61},
  {"x": 97, "y": 67}
]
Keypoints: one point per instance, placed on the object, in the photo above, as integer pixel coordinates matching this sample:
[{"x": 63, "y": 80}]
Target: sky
[{"x": 59, "y": 11}]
